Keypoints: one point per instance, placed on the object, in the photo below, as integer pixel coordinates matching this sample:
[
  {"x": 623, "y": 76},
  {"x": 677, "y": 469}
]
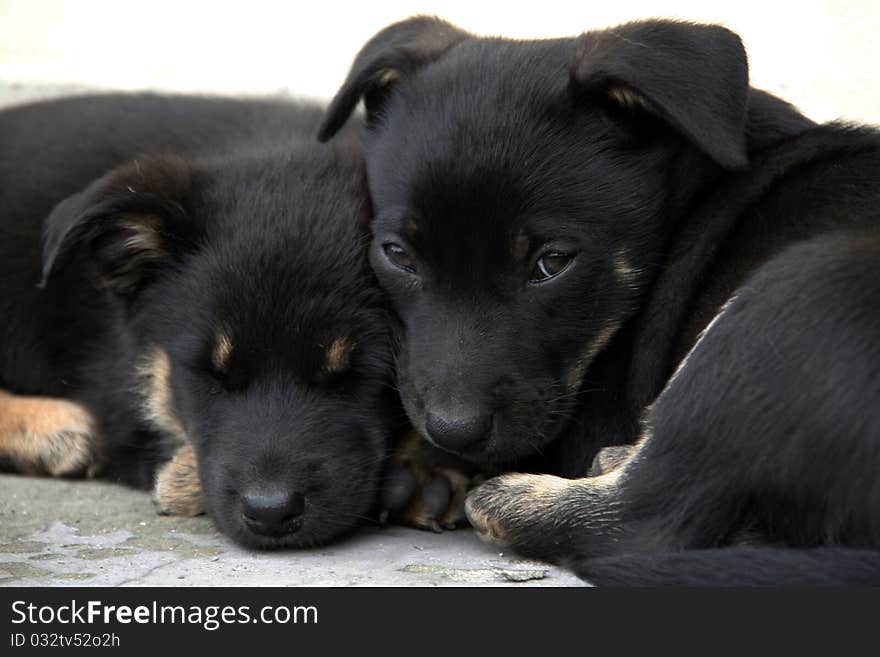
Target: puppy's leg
[
  {"x": 545, "y": 516},
  {"x": 424, "y": 488},
  {"x": 46, "y": 436},
  {"x": 178, "y": 489}
]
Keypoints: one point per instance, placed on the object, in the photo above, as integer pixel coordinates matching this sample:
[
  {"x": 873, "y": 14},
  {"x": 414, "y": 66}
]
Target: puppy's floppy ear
[
  {"x": 694, "y": 77},
  {"x": 130, "y": 223},
  {"x": 397, "y": 50}
]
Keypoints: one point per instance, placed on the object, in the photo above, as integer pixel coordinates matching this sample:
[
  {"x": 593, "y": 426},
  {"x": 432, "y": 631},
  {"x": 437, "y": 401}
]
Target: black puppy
[
  {"x": 557, "y": 223},
  {"x": 206, "y": 317}
]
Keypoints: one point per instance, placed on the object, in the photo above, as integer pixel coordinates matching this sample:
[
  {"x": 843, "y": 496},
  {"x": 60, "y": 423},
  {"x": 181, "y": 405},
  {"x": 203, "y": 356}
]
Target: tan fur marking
[
  {"x": 678, "y": 370},
  {"x": 505, "y": 506},
  {"x": 338, "y": 355},
  {"x": 407, "y": 454},
  {"x": 143, "y": 243},
  {"x": 624, "y": 269},
  {"x": 487, "y": 527},
  {"x": 628, "y": 98},
  {"x": 460, "y": 484},
  {"x": 222, "y": 352},
  {"x": 519, "y": 500},
  {"x": 544, "y": 490},
  {"x": 178, "y": 489},
  {"x": 386, "y": 77},
  {"x": 155, "y": 392},
  {"x": 589, "y": 352},
  {"x": 47, "y": 436},
  {"x": 145, "y": 233}
]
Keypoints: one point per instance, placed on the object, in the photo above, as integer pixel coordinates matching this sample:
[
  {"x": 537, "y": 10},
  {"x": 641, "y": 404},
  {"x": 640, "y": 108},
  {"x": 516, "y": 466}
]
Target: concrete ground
[{"x": 90, "y": 533}]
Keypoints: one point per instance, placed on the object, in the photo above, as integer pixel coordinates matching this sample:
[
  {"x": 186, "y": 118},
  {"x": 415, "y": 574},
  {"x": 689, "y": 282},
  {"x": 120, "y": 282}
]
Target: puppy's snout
[
  {"x": 274, "y": 512},
  {"x": 456, "y": 433}
]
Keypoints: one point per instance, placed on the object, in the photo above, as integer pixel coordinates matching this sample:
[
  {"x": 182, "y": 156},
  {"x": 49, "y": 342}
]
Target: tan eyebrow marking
[
  {"x": 222, "y": 352},
  {"x": 625, "y": 271},
  {"x": 338, "y": 355}
]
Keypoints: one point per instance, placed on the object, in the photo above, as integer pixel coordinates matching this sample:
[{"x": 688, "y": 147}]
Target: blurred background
[{"x": 823, "y": 56}]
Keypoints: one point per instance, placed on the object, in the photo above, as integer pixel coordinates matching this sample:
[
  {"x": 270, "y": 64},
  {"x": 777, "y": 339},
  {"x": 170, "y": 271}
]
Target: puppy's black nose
[
  {"x": 272, "y": 512},
  {"x": 458, "y": 434}
]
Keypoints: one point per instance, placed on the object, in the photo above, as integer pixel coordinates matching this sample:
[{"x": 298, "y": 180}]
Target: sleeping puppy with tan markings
[
  {"x": 557, "y": 222},
  {"x": 187, "y": 306}
]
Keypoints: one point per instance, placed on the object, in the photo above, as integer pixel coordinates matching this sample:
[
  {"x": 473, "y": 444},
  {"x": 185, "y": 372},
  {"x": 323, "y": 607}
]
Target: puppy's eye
[
  {"x": 399, "y": 257},
  {"x": 550, "y": 264}
]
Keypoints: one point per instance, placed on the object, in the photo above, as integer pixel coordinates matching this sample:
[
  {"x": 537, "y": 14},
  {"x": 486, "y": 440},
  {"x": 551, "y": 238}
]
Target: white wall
[{"x": 824, "y": 55}]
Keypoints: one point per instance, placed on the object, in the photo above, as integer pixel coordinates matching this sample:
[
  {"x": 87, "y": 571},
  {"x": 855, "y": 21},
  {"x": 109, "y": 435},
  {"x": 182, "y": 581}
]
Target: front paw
[
  {"x": 178, "y": 489},
  {"x": 424, "y": 488},
  {"x": 525, "y": 512},
  {"x": 504, "y": 507}
]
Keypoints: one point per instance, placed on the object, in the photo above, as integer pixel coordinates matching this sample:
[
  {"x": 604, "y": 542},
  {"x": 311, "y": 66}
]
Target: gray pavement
[{"x": 90, "y": 533}]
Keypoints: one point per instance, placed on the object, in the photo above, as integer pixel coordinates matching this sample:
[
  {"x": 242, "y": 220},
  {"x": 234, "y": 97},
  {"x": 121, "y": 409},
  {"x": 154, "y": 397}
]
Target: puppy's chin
[
  {"x": 311, "y": 533},
  {"x": 299, "y": 540},
  {"x": 503, "y": 450}
]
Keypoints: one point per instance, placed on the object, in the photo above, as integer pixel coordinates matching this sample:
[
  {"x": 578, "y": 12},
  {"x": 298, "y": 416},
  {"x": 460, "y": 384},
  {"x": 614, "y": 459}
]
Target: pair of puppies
[
  {"x": 612, "y": 257},
  {"x": 187, "y": 305},
  {"x": 557, "y": 224}
]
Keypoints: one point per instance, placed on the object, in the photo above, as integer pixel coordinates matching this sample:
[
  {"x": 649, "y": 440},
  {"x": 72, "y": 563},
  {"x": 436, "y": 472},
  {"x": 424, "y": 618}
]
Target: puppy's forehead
[
  {"x": 272, "y": 288},
  {"x": 499, "y": 70},
  {"x": 490, "y": 105},
  {"x": 489, "y": 138},
  {"x": 453, "y": 215},
  {"x": 479, "y": 91}
]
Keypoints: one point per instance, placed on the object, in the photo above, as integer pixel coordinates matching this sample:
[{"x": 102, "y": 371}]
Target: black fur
[
  {"x": 178, "y": 220},
  {"x": 642, "y": 154}
]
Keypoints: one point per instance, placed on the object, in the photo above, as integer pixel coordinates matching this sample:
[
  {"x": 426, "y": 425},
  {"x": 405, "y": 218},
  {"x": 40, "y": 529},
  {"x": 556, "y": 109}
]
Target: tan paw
[
  {"x": 423, "y": 488},
  {"x": 546, "y": 517},
  {"x": 506, "y": 508},
  {"x": 46, "y": 436},
  {"x": 178, "y": 489}
]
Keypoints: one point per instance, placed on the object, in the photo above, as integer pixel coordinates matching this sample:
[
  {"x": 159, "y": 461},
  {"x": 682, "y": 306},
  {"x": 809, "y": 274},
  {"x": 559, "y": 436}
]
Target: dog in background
[
  {"x": 612, "y": 257},
  {"x": 207, "y": 324}
]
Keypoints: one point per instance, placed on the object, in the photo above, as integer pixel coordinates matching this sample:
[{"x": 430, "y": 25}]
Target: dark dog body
[
  {"x": 558, "y": 222},
  {"x": 205, "y": 288}
]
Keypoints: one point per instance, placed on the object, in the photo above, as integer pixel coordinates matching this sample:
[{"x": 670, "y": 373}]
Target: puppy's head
[
  {"x": 522, "y": 193},
  {"x": 258, "y": 335}
]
